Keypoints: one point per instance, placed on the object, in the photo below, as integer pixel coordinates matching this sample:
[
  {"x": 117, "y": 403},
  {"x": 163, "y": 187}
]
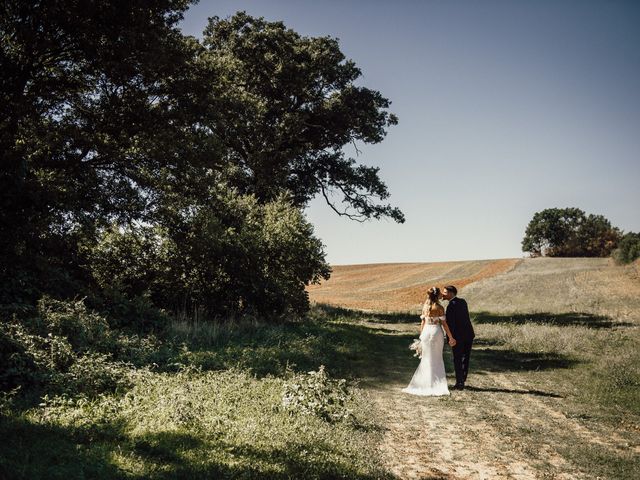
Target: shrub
[
  {"x": 70, "y": 349},
  {"x": 233, "y": 256},
  {"x": 22, "y": 356},
  {"x": 314, "y": 393},
  {"x": 628, "y": 249},
  {"x": 84, "y": 330},
  {"x": 140, "y": 350},
  {"x": 95, "y": 373}
]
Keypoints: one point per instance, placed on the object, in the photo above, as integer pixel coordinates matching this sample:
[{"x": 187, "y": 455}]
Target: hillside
[
  {"x": 561, "y": 285},
  {"x": 389, "y": 287},
  {"x": 532, "y": 285},
  {"x": 554, "y": 381},
  {"x": 553, "y": 389}
]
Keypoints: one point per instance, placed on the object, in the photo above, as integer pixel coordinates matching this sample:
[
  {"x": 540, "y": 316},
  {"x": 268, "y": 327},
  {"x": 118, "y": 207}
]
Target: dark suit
[{"x": 462, "y": 330}]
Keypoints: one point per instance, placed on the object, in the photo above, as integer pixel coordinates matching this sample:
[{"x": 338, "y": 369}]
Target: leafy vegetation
[
  {"x": 196, "y": 400},
  {"x": 202, "y": 399},
  {"x": 569, "y": 232},
  {"x": 314, "y": 393},
  {"x": 143, "y": 165},
  {"x": 628, "y": 248}
]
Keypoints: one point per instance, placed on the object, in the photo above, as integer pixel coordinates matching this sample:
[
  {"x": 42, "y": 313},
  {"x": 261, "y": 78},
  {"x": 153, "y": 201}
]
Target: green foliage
[
  {"x": 80, "y": 133},
  {"x": 198, "y": 423},
  {"x": 145, "y": 166},
  {"x": 628, "y": 248},
  {"x": 95, "y": 373},
  {"x": 82, "y": 329},
  {"x": 228, "y": 419},
  {"x": 67, "y": 348},
  {"x": 22, "y": 356},
  {"x": 314, "y": 393},
  {"x": 569, "y": 232},
  {"x": 286, "y": 107},
  {"x": 235, "y": 256},
  {"x": 129, "y": 259}
]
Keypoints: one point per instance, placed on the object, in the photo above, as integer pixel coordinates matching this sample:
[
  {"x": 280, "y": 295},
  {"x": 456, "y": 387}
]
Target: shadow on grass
[
  {"x": 537, "y": 393},
  {"x": 291, "y": 461},
  {"x": 331, "y": 312},
  {"x": 347, "y": 350},
  {"x": 505, "y": 360},
  {"x": 587, "y": 320},
  {"x": 165, "y": 447},
  {"x": 559, "y": 319},
  {"x": 358, "y": 347},
  {"x": 33, "y": 451}
]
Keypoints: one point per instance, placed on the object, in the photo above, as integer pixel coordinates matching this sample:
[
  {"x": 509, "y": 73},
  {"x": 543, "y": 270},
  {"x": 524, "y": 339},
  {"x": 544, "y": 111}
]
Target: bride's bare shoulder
[{"x": 437, "y": 309}]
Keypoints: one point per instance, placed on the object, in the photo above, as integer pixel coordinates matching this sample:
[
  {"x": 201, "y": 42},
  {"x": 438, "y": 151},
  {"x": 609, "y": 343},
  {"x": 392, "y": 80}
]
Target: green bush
[
  {"x": 23, "y": 356},
  {"x": 84, "y": 330},
  {"x": 95, "y": 373},
  {"x": 314, "y": 393},
  {"x": 628, "y": 249},
  {"x": 67, "y": 348},
  {"x": 141, "y": 350},
  {"x": 230, "y": 258}
]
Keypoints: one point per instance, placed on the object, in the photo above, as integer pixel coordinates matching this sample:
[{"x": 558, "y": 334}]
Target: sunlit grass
[
  {"x": 214, "y": 407},
  {"x": 190, "y": 424}
]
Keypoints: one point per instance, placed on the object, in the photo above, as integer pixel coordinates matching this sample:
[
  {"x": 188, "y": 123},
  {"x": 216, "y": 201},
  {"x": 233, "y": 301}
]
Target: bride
[{"x": 430, "y": 377}]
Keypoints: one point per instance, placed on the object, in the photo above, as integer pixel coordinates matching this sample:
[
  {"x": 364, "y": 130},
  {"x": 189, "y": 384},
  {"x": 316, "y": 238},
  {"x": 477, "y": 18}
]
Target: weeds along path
[{"x": 502, "y": 427}]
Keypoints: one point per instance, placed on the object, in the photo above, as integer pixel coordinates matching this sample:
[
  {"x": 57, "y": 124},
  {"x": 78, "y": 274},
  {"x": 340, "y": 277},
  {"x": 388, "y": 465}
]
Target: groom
[{"x": 462, "y": 330}]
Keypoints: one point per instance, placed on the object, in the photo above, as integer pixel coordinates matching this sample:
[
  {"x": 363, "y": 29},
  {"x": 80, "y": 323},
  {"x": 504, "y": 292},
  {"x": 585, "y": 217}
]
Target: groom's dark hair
[{"x": 451, "y": 288}]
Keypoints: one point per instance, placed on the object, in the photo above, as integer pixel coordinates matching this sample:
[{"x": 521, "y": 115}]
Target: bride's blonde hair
[{"x": 433, "y": 296}]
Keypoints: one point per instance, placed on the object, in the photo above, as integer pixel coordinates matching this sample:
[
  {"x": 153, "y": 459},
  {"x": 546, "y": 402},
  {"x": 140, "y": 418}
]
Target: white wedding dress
[{"x": 430, "y": 377}]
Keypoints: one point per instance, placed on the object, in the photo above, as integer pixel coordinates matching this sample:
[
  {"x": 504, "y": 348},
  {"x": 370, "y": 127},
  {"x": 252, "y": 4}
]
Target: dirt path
[{"x": 502, "y": 427}]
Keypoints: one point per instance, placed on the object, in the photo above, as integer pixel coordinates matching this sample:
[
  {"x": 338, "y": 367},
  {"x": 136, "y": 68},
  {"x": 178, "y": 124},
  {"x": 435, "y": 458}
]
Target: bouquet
[{"x": 417, "y": 346}]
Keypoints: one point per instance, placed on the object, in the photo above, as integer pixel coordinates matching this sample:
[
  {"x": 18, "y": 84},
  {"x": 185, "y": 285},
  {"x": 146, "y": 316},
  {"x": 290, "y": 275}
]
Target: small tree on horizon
[{"x": 569, "y": 232}]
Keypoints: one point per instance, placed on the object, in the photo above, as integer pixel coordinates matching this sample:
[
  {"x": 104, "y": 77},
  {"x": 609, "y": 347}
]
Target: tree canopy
[
  {"x": 569, "y": 232},
  {"x": 284, "y": 106},
  {"x": 190, "y": 159}
]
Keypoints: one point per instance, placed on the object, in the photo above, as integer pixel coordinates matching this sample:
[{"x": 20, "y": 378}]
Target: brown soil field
[{"x": 400, "y": 287}]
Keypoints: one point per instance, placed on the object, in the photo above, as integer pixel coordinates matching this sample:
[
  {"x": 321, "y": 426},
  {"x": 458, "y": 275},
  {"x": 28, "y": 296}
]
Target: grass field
[
  {"x": 555, "y": 383},
  {"x": 554, "y": 390}
]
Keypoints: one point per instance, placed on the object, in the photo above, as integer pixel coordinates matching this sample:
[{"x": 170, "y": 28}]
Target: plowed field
[{"x": 390, "y": 287}]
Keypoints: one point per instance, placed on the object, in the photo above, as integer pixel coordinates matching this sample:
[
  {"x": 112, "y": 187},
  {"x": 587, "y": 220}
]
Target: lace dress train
[{"x": 430, "y": 378}]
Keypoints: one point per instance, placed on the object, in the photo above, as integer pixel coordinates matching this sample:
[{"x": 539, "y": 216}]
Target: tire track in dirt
[
  {"x": 456, "y": 437},
  {"x": 538, "y": 409},
  {"x": 434, "y": 438}
]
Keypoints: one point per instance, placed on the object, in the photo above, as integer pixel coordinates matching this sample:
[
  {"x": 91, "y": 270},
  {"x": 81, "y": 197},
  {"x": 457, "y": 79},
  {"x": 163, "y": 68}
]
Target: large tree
[
  {"x": 113, "y": 122},
  {"x": 87, "y": 122},
  {"x": 285, "y": 106}
]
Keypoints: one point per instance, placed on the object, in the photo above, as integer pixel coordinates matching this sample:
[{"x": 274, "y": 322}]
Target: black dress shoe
[{"x": 458, "y": 386}]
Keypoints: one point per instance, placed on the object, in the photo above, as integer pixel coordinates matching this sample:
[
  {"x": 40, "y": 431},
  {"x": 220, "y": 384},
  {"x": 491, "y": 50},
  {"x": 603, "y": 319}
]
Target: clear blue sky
[{"x": 505, "y": 108}]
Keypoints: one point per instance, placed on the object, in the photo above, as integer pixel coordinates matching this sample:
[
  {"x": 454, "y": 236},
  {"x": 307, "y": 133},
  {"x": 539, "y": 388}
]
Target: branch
[
  {"x": 358, "y": 152},
  {"x": 357, "y": 218}
]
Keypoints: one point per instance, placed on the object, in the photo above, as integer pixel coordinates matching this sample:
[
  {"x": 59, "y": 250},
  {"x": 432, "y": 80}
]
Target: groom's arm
[{"x": 465, "y": 310}]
